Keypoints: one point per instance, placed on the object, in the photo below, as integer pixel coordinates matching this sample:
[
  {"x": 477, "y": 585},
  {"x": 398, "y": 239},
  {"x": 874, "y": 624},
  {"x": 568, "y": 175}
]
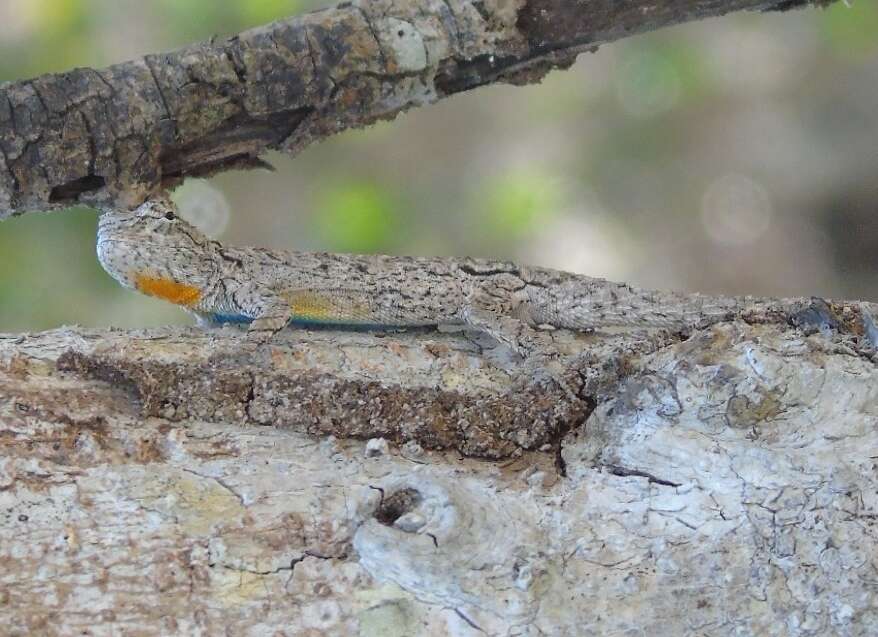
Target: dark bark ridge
[
  {"x": 440, "y": 392},
  {"x": 114, "y": 136},
  {"x": 228, "y": 382}
]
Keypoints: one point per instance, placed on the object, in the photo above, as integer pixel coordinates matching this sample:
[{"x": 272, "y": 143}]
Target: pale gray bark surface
[{"x": 722, "y": 485}]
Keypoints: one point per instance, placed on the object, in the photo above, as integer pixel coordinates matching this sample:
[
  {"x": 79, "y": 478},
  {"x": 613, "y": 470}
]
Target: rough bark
[
  {"x": 114, "y": 136},
  {"x": 179, "y": 482}
]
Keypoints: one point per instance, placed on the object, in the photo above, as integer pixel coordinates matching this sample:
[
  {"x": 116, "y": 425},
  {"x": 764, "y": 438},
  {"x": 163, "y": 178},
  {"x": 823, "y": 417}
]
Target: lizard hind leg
[
  {"x": 517, "y": 336},
  {"x": 513, "y": 326},
  {"x": 538, "y": 365}
]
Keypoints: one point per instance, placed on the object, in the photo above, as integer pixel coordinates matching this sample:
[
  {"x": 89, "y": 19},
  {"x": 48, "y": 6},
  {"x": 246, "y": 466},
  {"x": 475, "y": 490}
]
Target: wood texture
[
  {"x": 722, "y": 485},
  {"x": 114, "y": 136}
]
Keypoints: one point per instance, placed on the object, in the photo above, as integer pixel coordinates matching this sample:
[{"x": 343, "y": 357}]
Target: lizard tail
[{"x": 621, "y": 306}]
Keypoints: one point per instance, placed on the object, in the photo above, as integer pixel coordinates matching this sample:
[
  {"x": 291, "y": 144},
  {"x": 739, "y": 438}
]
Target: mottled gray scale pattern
[
  {"x": 572, "y": 306},
  {"x": 273, "y": 288}
]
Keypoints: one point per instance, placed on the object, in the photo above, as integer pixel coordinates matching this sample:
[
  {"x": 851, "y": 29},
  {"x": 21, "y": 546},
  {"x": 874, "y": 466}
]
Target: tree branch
[{"x": 115, "y": 136}]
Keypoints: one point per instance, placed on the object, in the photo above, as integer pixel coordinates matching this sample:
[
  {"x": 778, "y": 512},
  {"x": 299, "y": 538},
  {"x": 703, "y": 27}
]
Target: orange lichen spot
[{"x": 168, "y": 289}]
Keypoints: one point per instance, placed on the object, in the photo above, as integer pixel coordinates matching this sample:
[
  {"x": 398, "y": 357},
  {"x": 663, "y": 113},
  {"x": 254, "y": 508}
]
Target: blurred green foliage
[
  {"x": 516, "y": 202},
  {"x": 38, "y": 36},
  {"x": 358, "y": 217},
  {"x": 192, "y": 19},
  {"x": 852, "y": 31},
  {"x": 47, "y": 262}
]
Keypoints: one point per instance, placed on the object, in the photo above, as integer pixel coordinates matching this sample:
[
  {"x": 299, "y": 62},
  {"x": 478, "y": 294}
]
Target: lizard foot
[{"x": 263, "y": 328}]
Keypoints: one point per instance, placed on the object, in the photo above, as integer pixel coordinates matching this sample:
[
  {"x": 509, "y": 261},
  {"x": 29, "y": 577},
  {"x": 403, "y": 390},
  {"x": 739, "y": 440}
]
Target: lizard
[{"x": 152, "y": 250}]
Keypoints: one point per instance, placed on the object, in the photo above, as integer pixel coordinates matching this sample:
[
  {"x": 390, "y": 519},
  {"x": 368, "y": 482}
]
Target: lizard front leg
[{"x": 273, "y": 316}]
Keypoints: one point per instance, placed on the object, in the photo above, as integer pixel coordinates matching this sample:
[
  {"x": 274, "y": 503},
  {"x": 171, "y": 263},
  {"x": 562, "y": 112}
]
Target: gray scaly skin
[{"x": 154, "y": 251}]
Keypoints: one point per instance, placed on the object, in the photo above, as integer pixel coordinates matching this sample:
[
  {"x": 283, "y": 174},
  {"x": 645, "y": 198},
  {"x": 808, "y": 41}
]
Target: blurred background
[{"x": 737, "y": 155}]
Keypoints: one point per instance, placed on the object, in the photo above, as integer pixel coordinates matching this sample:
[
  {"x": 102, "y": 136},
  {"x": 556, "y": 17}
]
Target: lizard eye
[{"x": 170, "y": 216}]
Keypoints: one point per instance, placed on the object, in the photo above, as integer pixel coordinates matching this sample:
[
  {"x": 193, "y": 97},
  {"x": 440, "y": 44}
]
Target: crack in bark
[
  {"x": 33, "y": 86},
  {"x": 16, "y": 186},
  {"x": 624, "y": 472},
  {"x": 147, "y": 60},
  {"x": 450, "y": 10},
  {"x": 69, "y": 193},
  {"x": 367, "y": 19},
  {"x": 100, "y": 76},
  {"x": 234, "y": 145},
  {"x": 314, "y": 46},
  {"x": 220, "y": 482},
  {"x": 469, "y": 621},
  {"x": 11, "y": 120},
  {"x": 92, "y": 150},
  {"x": 238, "y": 67}
]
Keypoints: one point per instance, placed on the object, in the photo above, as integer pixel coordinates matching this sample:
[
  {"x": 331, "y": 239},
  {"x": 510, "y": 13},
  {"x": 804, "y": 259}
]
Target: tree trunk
[{"x": 177, "y": 482}]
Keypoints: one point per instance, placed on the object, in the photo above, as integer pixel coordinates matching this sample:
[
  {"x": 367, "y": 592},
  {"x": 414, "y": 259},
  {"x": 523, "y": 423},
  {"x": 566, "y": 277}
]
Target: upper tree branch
[{"x": 114, "y": 136}]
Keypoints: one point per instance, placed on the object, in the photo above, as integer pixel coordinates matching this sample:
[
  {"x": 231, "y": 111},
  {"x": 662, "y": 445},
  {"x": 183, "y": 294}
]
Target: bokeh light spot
[{"x": 204, "y": 206}]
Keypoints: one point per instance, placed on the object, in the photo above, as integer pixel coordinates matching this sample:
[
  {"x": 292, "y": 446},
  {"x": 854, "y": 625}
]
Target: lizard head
[{"x": 152, "y": 250}]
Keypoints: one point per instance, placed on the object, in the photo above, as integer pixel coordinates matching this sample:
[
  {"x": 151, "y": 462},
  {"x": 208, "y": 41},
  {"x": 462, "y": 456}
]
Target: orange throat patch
[{"x": 168, "y": 289}]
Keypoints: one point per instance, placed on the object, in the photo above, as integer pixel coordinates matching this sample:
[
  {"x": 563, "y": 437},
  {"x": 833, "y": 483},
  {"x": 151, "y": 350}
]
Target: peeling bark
[{"x": 114, "y": 136}]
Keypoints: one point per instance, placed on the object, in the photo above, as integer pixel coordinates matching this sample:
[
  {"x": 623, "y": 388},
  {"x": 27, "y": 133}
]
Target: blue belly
[
  {"x": 240, "y": 319},
  {"x": 222, "y": 319}
]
